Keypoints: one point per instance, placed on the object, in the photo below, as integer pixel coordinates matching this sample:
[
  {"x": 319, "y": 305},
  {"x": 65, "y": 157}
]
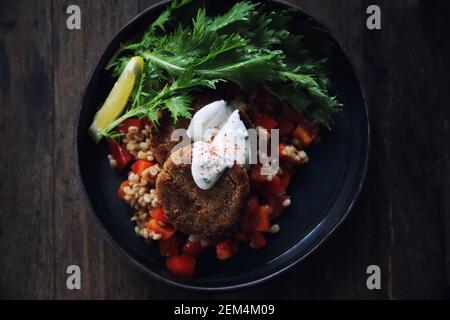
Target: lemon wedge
[{"x": 117, "y": 98}]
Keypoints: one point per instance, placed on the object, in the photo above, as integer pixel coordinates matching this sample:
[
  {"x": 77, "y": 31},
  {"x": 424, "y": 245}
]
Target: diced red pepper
[
  {"x": 257, "y": 240},
  {"x": 140, "y": 165},
  {"x": 166, "y": 230},
  {"x": 159, "y": 214},
  {"x": 305, "y": 133},
  {"x": 255, "y": 174},
  {"x": 192, "y": 248},
  {"x": 130, "y": 122},
  {"x": 182, "y": 265},
  {"x": 168, "y": 247},
  {"x": 265, "y": 121},
  {"x": 121, "y": 189},
  {"x": 226, "y": 249},
  {"x": 276, "y": 202},
  {"x": 263, "y": 219},
  {"x": 272, "y": 187},
  {"x": 120, "y": 154},
  {"x": 257, "y": 220}
]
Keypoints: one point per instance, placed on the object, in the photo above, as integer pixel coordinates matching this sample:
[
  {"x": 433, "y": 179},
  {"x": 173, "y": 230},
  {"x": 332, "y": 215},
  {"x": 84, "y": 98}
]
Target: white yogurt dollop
[
  {"x": 211, "y": 159},
  {"x": 208, "y": 119}
]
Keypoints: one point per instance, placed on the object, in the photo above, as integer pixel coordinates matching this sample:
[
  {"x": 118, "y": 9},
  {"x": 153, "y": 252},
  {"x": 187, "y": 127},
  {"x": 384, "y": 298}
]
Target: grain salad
[{"x": 235, "y": 76}]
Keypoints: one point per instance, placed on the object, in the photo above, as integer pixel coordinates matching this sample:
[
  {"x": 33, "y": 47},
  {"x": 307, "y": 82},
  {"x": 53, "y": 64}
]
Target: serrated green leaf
[{"x": 249, "y": 45}]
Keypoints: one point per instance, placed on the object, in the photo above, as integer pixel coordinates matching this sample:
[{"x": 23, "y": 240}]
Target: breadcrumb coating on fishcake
[{"x": 196, "y": 211}]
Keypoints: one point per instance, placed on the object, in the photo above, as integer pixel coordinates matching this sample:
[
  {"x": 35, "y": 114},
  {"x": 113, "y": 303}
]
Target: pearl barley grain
[
  {"x": 274, "y": 228},
  {"x": 287, "y": 202}
]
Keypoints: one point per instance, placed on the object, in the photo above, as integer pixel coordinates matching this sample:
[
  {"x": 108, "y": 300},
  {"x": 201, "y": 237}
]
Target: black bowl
[{"x": 323, "y": 191}]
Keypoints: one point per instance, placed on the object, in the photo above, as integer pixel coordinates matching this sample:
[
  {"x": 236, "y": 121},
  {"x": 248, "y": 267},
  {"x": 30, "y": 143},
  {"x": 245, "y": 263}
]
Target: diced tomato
[
  {"x": 182, "y": 265},
  {"x": 265, "y": 121},
  {"x": 257, "y": 220},
  {"x": 255, "y": 174},
  {"x": 263, "y": 219},
  {"x": 159, "y": 214},
  {"x": 130, "y": 122},
  {"x": 226, "y": 249},
  {"x": 286, "y": 126},
  {"x": 192, "y": 248},
  {"x": 140, "y": 165},
  {"x": 272, "y": 187},
  {"x": 166, "y": 230},
  {"x": 146, "y": 122},
  {"x": 121, "y": 189},
  {"x": 168, "y": 247},
  {"x": 305, "y": 133},
  {"x": 120, "y": 154},
  {"x": 250, "y": 212},
  {"x": 257, "y": 240},
  {"x": 276, "y": 202}
]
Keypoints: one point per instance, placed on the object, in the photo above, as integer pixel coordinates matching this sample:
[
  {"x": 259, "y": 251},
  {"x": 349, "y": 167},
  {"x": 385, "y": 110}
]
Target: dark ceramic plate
[{"x": 323, "y": 191}]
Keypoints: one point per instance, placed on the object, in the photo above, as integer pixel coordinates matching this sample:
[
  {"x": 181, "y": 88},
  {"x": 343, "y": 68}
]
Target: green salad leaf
[{"x": 249, "y": 45}]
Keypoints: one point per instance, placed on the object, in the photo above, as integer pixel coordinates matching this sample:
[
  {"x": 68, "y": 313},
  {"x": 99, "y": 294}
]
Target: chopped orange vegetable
[
  {"x": 257, "y": 220},
  {"x": 226, "y": 249},
  {"x": 140, "y": 165},
  {"x": 159, "y": 214},
  {"x": 257, "y": 240},
  {"x": 272, "y": 187},
  {"x": 166, "y": 230},
  {"x": 121, "y": 189},
  {"x": 168, "y": 247},
  {"x": 265, "y": 121},
  {"x": 305, "y": 133},
  {"x": 182, "y": 265}
]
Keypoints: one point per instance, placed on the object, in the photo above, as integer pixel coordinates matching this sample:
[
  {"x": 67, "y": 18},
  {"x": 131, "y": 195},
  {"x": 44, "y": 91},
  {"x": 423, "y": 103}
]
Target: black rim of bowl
[{"x": 122, "y": 253}]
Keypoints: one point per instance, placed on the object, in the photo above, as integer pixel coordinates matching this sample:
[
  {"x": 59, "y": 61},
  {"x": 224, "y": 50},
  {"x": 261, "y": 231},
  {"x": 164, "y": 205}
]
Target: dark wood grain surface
[{"x": 401, "y": 222}]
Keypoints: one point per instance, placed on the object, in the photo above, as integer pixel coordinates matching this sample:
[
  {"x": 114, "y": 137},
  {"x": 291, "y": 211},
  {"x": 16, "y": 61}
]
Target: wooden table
[{"x": 401, "y": 222}]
